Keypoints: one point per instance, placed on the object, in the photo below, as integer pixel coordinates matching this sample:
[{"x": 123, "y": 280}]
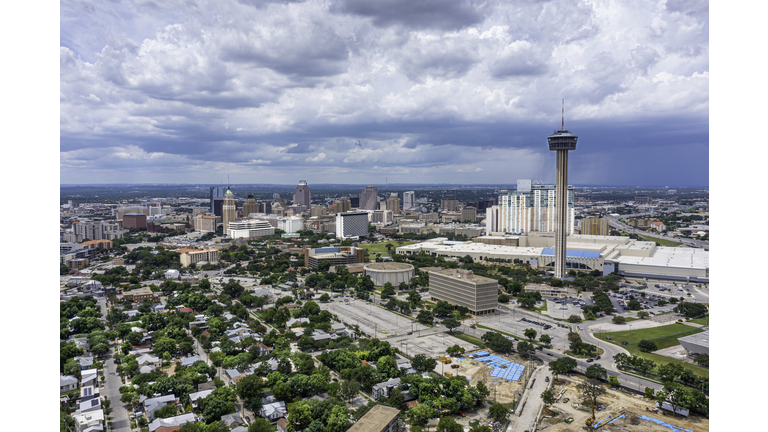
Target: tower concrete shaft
[
  {"x": 561, "y": 212},
  {"x": 562, "y": 142}
]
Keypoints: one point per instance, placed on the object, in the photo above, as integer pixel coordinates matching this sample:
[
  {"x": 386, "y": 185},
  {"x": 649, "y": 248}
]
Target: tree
[
  {"x": 643, "y": 314},
  {"x": 424, "y": 317},
  {"x": 545, "y": 339},
  {"x": 634, "y": 305},
  {"x": 456, "y": 349},
  {"x": 674, "y": 394},
  {"x": 325, "y": 297},
  {"x": 530, "y": 333},
  {"x": 448, "y": 424},
  {"x": 498, "y": 411},
  {"x": 423, "y": 363},
  {"x": 421, "y": 413},
  {"x": 451, "y": 323},
  {"x": 349, "y": 389},
  {"x": 646, "y": 345},
  {"x": 591, "y": 389},
  {"x": 260, "y": 425},
  {"x": 670, "y": 371},
  {"x": 649, "y": 392},
  {"x": 526, "y": 349},
  {"x": 166, "y": 411},
  {"x": 548, "y": 397},
  {"x": 387, "y": 291},
  {"x": 618, "y": 319},
  {"x": 702, "y": 359},
  {"x": 574, "y": 319},
  {"x": 503, "y": 298},
  {"x": 596, "y": 371}
]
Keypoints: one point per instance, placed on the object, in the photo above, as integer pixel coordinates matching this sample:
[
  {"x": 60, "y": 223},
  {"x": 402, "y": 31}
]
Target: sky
[{"x": 355, "y": 91}]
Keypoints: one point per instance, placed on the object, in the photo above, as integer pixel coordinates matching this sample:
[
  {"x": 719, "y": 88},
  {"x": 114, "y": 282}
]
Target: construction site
[
  {"x": 615, "y": 411},
  {"x": 504, "y": 375}
]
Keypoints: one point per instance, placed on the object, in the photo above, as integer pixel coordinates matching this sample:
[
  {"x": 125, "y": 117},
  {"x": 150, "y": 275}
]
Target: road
[
  {"x": 547, "y": 354},
  {"x": 120, "y": 421},
  {"x": 525, "y": 415},
  {"x": 614, "y": 222}
]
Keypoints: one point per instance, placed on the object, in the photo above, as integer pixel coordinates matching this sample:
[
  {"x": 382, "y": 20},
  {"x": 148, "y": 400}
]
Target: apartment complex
[
  {"x": 595, "y": 226},
  {"x": 529, "y": 208},
  {"x": 463, "y": 288}
]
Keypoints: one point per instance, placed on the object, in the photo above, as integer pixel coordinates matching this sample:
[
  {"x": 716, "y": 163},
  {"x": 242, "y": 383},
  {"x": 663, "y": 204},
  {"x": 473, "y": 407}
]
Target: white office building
[
  {"x": 529, "y": 208},
  {"x": 290, "y": 224},
  {"x": 250, "y": 228},
  {"x": 409, "y": 200},
  {"x": 351, "y": 224}
]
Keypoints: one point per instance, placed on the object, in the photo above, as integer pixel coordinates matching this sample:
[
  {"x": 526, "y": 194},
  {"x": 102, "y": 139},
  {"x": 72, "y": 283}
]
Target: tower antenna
[{"x": 562, "y": 125}]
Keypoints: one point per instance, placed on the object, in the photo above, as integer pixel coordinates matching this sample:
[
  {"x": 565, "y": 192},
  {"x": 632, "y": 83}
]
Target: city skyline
[{"x": 351, "y": 93}]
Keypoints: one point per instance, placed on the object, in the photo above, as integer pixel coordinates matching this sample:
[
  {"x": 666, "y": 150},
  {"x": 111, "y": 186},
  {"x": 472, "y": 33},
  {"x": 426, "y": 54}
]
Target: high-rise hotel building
[{"x": 529, "y": 208}]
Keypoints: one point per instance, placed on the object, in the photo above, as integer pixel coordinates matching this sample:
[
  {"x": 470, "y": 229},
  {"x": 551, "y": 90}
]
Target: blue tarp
[
  {"x": 621, "y": 416},
  {"x": 594, "y": 426},
  {"x": 665, "y": 424}
]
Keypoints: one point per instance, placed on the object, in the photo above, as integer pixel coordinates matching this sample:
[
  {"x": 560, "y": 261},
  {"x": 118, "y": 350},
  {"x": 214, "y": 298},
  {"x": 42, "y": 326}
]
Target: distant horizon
[{"x": 367, "y": 184}]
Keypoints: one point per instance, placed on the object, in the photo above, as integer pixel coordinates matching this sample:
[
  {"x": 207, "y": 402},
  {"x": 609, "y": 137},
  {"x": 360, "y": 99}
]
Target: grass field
[
  {"x": 664, "y": 337},
  {"x": 470, "y": 339},
  {"x": 381, "y": 248},
  {"x": 660, "y": 242},
  {"x": 703, "y": 320}
]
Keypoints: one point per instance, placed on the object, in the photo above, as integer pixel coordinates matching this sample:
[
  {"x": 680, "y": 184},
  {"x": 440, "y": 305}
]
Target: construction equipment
[
  {"x": 448, "y": 374},
  {"x": 590, "y": 421}
]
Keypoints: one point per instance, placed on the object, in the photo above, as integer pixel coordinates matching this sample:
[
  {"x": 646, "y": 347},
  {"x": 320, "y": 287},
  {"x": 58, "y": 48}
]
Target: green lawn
[
  {"x": 703, "y": 320},
  {"x": 660, "y": 242},
  {"x": 381, "y": 248},
  {"x": 470, "y": 339},
  {"x": 664, "y": 337}
]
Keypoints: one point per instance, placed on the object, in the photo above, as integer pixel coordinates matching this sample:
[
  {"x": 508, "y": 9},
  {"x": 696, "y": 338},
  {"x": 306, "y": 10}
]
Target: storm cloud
[{"x": 353, "y": 91}]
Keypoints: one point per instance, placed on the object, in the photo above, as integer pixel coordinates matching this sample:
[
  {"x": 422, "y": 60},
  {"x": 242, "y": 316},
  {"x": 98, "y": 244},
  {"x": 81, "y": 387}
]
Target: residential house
[
  {"x": 153, "y": 404},
  {"x": 338, "y": 328},
  {"x": 89, "y": 377},
  {"x": 232, "y": 420},
  {"x": 148, "y": 359},
  {"x": 89, "y": 405},
  {"x": 86, "y": 362},
  {"x": 194, "y": 398},
  {"x": 383, "y": 389},
  {"x": 189, "y": 361},
  {"x": 67, "y": 383},
  {"x": 273, "y": 411},
  {"x": 170, "y": 422},
  {"x": 292, "y": 321},
  {"x": 90, "y": 420},
  {"x": 282, "y": 424}
]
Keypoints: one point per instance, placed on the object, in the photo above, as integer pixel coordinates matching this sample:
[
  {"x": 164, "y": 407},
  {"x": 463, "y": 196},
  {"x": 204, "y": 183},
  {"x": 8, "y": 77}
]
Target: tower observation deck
[{"x": 562, "y": 142}]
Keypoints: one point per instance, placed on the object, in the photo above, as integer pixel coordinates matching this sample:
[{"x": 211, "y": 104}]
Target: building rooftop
[
  {"x": 388, "y": 266},
  {"x": 375, "y": 420},
  {"x": 699, "y": 339},
  {"x": 463, "y": 274}
]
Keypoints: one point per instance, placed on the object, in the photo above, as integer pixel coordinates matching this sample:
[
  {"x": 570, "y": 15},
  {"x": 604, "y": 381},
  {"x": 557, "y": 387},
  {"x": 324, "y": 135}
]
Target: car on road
[
  {"x": 546, "y": 379},
  {"x": 597, "y": 358},
  {"x": 589, "y": 360},
  {"x": 247, "y": 419},
  {"x": 410, "y": 333}
]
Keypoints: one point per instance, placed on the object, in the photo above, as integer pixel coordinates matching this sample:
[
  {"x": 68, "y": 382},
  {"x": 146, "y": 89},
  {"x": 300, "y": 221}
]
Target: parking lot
[
  {"x": 431, "y": 346},
  {"x": 372, "y": 320},
  {"x": 511, "y": 322},
  {"x": 564, "y": 308}
]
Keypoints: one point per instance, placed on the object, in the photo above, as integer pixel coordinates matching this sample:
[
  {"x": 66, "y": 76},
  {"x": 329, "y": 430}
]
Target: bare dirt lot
[{"x": 616, "y": 403}]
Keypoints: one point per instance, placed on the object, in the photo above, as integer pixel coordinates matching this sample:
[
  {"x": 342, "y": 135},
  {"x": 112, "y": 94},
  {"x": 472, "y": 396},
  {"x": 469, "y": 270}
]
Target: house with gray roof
[
  {"x": 67, "y": 383},
  {"x": 153, "y": 404},
  {"x": 273, "y": 411},
  {"x": 189, "y": 361},
  {"x": 85, "y": 362},
  {"x": 232, "y": 420},
  {"x": 171, "y": 422},
  {"x": 148, "y": 359},
  {"x": 383, "y": 389},
  {"x": 89, "y": 377},
  {"x": 194, "y": 398}
]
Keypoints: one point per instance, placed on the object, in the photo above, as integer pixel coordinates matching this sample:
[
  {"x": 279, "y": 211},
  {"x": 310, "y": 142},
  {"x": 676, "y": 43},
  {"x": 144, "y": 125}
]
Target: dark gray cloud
[
  {"x": 423, "y": 14},
  {"x": 694, "y": 8},
  {"x": 352, "y": 91}
]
